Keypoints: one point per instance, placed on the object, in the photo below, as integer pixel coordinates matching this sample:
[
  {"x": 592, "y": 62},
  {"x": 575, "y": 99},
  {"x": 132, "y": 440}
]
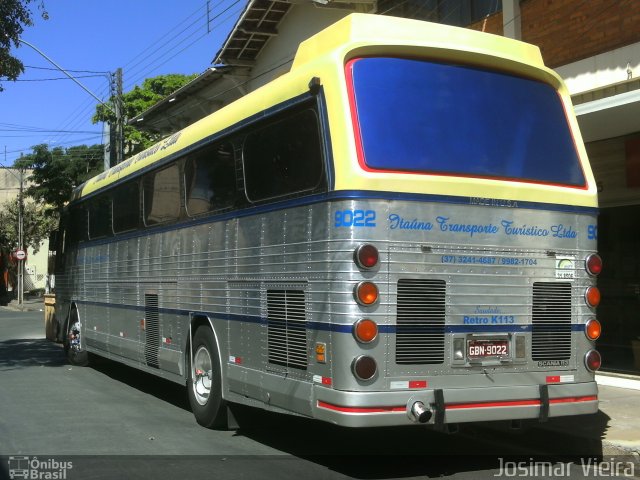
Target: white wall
[
  {"x": 302, "y": 21},
  {"x": 601, "y": 70}
]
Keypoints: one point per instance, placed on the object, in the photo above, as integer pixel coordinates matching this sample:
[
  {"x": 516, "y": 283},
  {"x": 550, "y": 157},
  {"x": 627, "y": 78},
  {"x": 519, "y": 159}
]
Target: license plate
[{"x": 487, "y": 348}]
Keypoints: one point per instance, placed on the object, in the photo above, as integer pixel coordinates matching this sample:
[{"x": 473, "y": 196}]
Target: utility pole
[
  {"x": 116, "y": 130},
  {"x": 21, "y": 240}
]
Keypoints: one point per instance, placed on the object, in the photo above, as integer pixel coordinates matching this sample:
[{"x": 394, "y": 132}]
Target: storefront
[{"x": 611, "y": 128}]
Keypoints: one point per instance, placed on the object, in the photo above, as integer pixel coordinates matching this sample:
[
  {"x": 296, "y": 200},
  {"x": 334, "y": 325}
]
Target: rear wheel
[
  {"x": 204, "y": 384},
  {"x": 73, "y": 346}
]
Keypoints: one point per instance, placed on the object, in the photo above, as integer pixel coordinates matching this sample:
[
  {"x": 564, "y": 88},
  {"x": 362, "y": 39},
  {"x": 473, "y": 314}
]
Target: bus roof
[{"x": 353, "y": 35}]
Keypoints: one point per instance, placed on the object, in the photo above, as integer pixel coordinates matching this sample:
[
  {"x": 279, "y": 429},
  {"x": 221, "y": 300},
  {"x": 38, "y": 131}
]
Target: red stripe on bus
[
  {"x": 456, "y": 406},
  {"x": 522, "y": 403},
  {"x": 338, "y": 408}
]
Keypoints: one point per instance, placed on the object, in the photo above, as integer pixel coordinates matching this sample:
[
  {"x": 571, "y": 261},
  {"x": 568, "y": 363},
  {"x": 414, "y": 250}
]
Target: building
[
  {"x": 36, "y": 264},
  {"x": 593, "y": 44}
]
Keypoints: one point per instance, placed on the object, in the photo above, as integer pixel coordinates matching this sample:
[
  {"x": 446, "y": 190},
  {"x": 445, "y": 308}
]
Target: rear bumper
[{"x": 459, "y": 405}]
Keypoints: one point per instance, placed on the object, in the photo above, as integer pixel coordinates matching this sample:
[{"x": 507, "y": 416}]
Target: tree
[
  {"x": 14, "y": 16},
  {"x": 57, "y": 172},
  {"x": 137, "y": 101},
  {"x": 37, "y": 223}
]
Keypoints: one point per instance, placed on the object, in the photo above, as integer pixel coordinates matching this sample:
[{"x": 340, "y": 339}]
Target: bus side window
[
  {"x": 161, "y": 195},
  {"x": 210, "y": 179},
  {"x": 77, "y": 225},
  {"x": 99, "y": 217},
  {"x": 126, "y": 207},
  {"x": 283, "y": 157}
]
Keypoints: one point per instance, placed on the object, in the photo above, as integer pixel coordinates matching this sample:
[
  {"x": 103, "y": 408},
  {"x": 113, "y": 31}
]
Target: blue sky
[{"x": 86, "y": 37}]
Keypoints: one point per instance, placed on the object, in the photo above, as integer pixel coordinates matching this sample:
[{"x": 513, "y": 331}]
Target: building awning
[{"x": 609, "y": 117}]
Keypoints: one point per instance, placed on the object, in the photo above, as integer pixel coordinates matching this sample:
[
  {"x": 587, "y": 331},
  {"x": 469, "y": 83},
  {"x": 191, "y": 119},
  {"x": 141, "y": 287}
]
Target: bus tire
[
  {"x": 204, "y": 382},
  {"x": 76, "y": 355}
]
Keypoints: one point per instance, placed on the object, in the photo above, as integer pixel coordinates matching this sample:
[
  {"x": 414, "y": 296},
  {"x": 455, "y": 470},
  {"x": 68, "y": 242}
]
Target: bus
[{"x": 401, "y": 230}]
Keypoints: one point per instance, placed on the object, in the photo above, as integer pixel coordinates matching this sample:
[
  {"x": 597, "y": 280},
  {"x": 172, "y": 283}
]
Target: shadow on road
[
  {"x": 372, "y": 453},
  {"x": 30, "y": 352},
  {"x": 160, "y": 388},
  {"x": 378, "y": 453}
]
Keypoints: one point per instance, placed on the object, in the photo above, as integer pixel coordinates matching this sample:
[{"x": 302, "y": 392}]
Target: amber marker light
[
  {"x": 366, "y": 256},
  {"x": 593, "y": 264},
  {"x": 592, "y": 296},
  {"x": 593, "y": 360},
  {"x": 365, "y": 330},
  {"x": 366, "y": 293},
  {"x": 593, "y": 329}
]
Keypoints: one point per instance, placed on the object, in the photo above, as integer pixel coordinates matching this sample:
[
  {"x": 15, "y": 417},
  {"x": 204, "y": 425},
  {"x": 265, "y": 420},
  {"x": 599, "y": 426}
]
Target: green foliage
[
  {"x": 57, "y": 172},
  {"x": 139, "y": 100},
  {"x": 14, "y": 16},
  {"x": 37, "y": 223}
]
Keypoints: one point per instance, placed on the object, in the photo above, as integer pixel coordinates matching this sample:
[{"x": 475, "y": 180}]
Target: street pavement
[{"x": 129, "y": 424}]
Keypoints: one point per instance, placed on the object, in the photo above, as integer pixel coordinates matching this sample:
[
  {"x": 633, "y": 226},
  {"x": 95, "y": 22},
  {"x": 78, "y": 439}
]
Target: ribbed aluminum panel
[
  {"x": 152, "y": 329},
  {"x": 287, "y": 332},
  {"x": 420, "y": 321},
  {"x": 551, "y": 337}
]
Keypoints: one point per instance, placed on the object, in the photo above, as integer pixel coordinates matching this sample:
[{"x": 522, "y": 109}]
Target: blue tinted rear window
[{"x": 427, "y": 117}]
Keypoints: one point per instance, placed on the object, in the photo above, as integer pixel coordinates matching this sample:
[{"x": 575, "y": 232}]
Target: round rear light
[
  {"x": 593, "y": 360},
  {"x": 592, "y": 296},
  {"x": 366, "y": 256},
  {"x": 593, "y": 329},
  {"x": 364, "y": 367},
  {"x": 593, "y": 264},
  {"x": 365, "y": 330},
  {"x": 366, "y": 293}
]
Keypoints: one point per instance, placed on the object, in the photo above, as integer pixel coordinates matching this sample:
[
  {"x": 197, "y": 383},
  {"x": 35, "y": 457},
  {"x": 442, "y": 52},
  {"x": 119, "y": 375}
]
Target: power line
[
  {"x": 51, "y": 79},
  {"x": 68, "y": 70}
]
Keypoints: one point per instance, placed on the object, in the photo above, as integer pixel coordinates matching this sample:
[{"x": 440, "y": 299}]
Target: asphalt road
[{"x": 111, "y": 421}]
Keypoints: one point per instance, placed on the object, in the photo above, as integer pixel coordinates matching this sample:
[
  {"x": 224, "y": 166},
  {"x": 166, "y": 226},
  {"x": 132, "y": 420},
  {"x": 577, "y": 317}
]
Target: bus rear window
[{"x": 435, "y": 118}]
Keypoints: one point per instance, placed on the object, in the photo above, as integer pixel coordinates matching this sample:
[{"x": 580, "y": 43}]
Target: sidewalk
[
  {"x": 31, "y": 304},
  {"x": 620, "y": 401}
]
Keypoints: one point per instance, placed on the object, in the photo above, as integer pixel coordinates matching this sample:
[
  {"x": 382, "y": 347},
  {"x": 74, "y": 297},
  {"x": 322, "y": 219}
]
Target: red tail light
[
  {"x": 593, "y": 360},
  {"x": 364, "y": 367},
  {"x": 593, "y": 264},
  {"x": 366, "y": 256}
]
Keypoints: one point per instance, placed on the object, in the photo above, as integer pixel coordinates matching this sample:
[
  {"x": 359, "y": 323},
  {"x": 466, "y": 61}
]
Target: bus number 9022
[{"x": 355, "y": 218}]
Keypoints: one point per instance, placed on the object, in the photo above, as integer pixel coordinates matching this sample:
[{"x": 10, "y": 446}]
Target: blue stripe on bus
[
  {"x": 324, "y": 197},
  {"x": 335, "y": 327},
  {"x": 424, "y": 197}
]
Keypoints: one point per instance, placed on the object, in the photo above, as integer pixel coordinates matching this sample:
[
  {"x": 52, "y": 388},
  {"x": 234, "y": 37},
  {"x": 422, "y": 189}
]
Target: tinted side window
[
  {"x": 210, "y": 179},
  {"x": 126, "y": 207},
  {"x": 162, "y": 195},
  {"x": 283, "y": 157},
  {"x": 99, "y": 216}
]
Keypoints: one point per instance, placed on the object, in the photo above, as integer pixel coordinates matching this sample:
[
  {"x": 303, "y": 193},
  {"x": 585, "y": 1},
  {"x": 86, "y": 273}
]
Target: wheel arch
[{"x": 196, "y": 321}]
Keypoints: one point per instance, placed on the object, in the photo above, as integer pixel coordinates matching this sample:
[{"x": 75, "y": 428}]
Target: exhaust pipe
[{"x": 421, "y": 413}]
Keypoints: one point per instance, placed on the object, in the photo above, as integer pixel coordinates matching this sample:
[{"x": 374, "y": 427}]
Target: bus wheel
[
  {"x": 73, "y": 342},
  {"x": 204, "y": 384}
]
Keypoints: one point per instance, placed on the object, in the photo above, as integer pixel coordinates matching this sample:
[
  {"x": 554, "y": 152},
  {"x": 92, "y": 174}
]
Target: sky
[{"x": 90, "y": 39}]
